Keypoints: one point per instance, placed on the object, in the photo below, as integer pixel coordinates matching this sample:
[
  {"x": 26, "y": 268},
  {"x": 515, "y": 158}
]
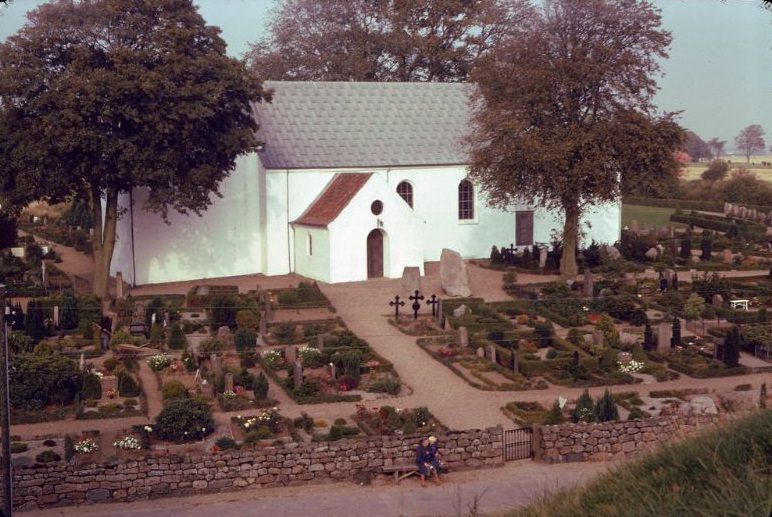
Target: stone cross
[
  {"x": 433, "y": 301},
  {"x": 396, "y": 303},
  {"x": 463, "y": 337},
  {"x": 588, "y": 284},
  {"x": 298, "y": 374},
  {"x": 416, "y": 304}
]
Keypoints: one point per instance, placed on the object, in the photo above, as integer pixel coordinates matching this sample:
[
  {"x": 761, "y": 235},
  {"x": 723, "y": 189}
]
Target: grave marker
[
  {"x": 263, "y": 325},
  {"x": 229, "y": 381},
  {"x": 290, "y": 354},
  {"x": 332, "y": 371},
  {"x": 480, "y": 352},
  {"x": 416, "y": 304},
  {"x": 433, "y": 301},
  {"x": 542, "y": 257},
  {"x": 588, "y": 283},
  {"x": 514, "y": 362},
  {"x": 492, "y": 354},
  {"x": 463, "y": 337},
  {"x": 297, "y": 374},
  {"x": 207, "y": 390},
  {"x": 215, "y": 360},
  {"x": 396, "y": 303},
  {"x": 664, "y": 333}
]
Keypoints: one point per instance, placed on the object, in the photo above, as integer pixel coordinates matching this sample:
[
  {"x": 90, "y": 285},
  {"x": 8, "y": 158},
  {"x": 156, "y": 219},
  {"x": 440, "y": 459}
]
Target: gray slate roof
[{"x": 349, "y": 124}]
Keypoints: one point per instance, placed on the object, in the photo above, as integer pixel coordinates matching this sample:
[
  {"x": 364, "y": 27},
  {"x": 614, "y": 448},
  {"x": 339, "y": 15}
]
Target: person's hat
[{"x": 432, "y": 439}]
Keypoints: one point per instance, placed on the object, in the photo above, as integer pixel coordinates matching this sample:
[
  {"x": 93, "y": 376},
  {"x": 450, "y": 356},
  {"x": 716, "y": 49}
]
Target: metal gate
[{"x": 518, "y": 444}]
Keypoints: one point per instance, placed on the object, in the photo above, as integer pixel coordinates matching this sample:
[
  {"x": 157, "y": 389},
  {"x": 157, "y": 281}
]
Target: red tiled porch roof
[{"x": 333, "y": 199}]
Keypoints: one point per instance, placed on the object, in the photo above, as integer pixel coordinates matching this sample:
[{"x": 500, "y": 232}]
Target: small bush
[
  {"x": 183, "y": 420},
  {"x": 127, "y": 386},
  {"x": 304, "y": 422},
  {"x": 47, "y": 457},
  {"x": 174, "y": 390},
  {"x": 340, "y": 421},
  {"x": 49, "y": 443},
  {"x": 177, "y": 339},
  {"x": 244, "y": 339},
  {"x": 260, "y": 386},
  {"x": 226, "y": 442},
  {"x": 390, "y": 385},
  {"x": 92, "y": 387},
  {"x": 17, "y": 447}
]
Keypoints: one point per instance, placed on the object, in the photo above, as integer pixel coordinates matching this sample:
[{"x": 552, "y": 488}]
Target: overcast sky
[{"x": 719, "y": 73}]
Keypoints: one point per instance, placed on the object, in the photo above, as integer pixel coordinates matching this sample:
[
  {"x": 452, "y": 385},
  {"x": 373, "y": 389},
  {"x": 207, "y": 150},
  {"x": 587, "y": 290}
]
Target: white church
[{"x": 354, "y": 181}]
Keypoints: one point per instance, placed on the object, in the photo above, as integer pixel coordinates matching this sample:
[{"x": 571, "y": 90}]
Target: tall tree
[
  {"x": 381, "y": 40},
  {"x": 563, "y": 110},
  {"x": 696, "y": 146},
  {"x": 105, "y": 96},
  {"x": 716, "y": 147},
  {"x": 750, "y": 140}
]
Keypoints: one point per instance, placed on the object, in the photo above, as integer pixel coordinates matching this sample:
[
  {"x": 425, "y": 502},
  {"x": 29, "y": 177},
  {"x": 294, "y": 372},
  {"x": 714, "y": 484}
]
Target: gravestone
[
  {"x": 669, "y": 274},
  {"x": 320, "y": 341},
  {"x": 215, "y": 360},
  {"x": 44, "y": 273},
  {"x": 297, "y": 374},
  {"x": 727, "y": 208},
  {"x": 542, "y": 257},
  {"x": 492, "y": 354},
  {"x": 588, "y": 283},
  {"x": 225, "y": 335},
  {"x": 651, "y": 254},
  {"x": 56, "y": 316},
  {"x": 598, "y": 338},
  {"x": 411, "y": 279},
  {"x": 207, "y": 389},
  {"x": 515, "y": 363},
  {"x": 664, "y": 333},
  {"x": 453, "y": 274},
  {"x": 440, "y": 314},
  {"x": 624, "y": 357},
  {"x": 717, "y": 300},
  {"x": 229, "y": 381},
  {"x": 610, "y": 252},
  {"x": 332, "y": 371},
  {"x": 461, "y": 311},
  {"x": 480, "y": 352},
  {"x": 463, "y": 337},
  {"x": 728, "y": 256},
  {"x": 263, "y": 325},
  {"x": 109, "y": 385},
  {"x": 290, "y": 354}
]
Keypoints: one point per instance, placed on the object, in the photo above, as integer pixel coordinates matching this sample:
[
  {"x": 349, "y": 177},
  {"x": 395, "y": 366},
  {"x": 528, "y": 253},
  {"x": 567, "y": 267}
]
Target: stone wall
[
  {"x": 158, "y": 475},
  {"x": 611, "y": 440}
]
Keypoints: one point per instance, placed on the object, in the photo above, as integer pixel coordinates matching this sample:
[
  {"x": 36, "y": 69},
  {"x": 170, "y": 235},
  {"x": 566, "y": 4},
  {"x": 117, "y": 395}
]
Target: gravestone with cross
[
  {"x": 433, "y": 301},
  {"x": 416, "y": 303},
  {"x": 396, "y": 303}
]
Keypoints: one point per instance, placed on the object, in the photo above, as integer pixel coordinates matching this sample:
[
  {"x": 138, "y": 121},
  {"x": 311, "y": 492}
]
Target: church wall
[
  {"x": 224, "y": 241},
  {"x": 312, "y": 256}
]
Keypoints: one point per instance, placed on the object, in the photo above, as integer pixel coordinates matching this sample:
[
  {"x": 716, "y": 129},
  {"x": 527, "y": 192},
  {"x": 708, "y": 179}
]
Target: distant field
[
  {"x": 647, "y": 216},
  {"x": 693, "y": 170}
]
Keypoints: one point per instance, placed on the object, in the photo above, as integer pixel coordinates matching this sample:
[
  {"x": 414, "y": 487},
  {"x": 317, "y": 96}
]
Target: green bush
[
  {"x": 390, "y": 385},
  {"x": 183, "y": 420},
  {"x": 40, "y": 381},
  {"x": 605, "y": 408},
  {"x": 210, "y": 345},
  {"x": 48, "y": 456},
  {"x": 92, "y": 387},
  {"x": 127, "y": 385},
  {"x": 244, "y": 339},
  {"x": 177, "y": 339},
  {"x": 17, "y": 447},
  {"x": 222, "y": 311},
  {"x": 174, "y": 390},
  {"x": 555, "y": 415},
  {"x": 226, "y": 442},
  {"x": 247, "y": 319},
  {"x": 584, "y": 411}
]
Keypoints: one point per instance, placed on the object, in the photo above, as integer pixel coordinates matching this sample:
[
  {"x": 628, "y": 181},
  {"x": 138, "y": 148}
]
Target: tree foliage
[
  {"x": 183, "y": 420},
  {"x": 732, "y": 345},
  {"x": 40, "y": 380},
  {"x": 696, "y": 146},
  {"x": 750, "y": 140},
  {"x": 105, "y": 96},
  {"x": 716, "y": 147},
  {"x": 717, "y": 170},
  {"x": 385, "y": 40},
  {"x": 563, "y": 110}
]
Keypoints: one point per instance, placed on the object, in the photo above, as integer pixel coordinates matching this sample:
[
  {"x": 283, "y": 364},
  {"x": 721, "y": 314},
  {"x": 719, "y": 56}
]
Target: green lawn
[
  {"x": 647, "y": 216},
  {"x": 694, "y": 170}
]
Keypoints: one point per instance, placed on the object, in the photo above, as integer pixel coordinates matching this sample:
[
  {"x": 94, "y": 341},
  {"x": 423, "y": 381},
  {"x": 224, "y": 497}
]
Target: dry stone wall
[
  {"x": 158, "y": 475},
  {"x": 611, "y": 440}
]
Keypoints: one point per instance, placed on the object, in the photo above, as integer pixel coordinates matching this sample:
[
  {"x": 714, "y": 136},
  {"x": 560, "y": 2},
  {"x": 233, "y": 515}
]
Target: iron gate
[{"x": 518, "y": 444}]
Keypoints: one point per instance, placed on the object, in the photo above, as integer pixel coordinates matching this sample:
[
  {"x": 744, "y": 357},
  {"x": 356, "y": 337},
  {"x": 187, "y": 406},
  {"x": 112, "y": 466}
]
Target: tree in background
[
  {"x": 389, "y": 40},
  {"x": 105, "y": 96},
  {"x": 69, "y": 318},
  {"x": 696, "y": 146},
  {"x": 716, "y": 147},
  {"x": 750, "y": 140},
  {"x": 563, "y": 111}
]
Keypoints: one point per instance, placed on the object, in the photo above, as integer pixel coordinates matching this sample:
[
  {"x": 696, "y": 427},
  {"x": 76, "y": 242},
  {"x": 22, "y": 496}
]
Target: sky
[{"x": 718, "y": 74}]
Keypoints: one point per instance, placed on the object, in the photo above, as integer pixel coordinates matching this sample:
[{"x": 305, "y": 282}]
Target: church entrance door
[{"x": 375, "y": 254}]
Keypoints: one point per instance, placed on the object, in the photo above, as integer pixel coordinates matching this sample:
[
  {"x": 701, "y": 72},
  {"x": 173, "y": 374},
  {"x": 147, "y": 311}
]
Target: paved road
[{"x": 495, "y": 490}]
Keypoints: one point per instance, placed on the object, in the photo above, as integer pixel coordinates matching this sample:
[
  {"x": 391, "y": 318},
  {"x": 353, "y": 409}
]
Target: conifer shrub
[
  {"x": 177, "y": 339},
  {"x": 127, "y": 385},
  {"x": 92, "y": 387},
  {"x": 606, "y": 408},
  {"x": 584, "y": 411},
  {"x": 174, "y": 390},
  {"x": 244, "y": 339},
  {"x": 555, "y": 415},
  {"x": 260, "y": 386}
]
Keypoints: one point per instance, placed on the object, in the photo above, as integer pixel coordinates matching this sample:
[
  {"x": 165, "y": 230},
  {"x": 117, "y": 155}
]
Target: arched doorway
[{"x": 375, "y": 254}]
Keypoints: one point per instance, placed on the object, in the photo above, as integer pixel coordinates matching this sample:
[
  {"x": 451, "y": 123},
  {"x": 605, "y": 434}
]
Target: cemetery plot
[
  {"x": 339, "y": 367},
  {"x": 388, "y": 420},
  {"x": 112, "y": 389}
]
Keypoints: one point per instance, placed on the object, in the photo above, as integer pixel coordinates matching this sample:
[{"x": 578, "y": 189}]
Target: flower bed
[{"x": 388, "y": 420}]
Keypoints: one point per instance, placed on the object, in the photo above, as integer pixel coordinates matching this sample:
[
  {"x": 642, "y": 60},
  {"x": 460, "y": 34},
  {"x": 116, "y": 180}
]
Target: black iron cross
[
  {"x": 433, "y": 301},
  {"x": 396, "y": 303},
  {"x": 416, "y": 305},
  {"x": 512, "y": 249}
]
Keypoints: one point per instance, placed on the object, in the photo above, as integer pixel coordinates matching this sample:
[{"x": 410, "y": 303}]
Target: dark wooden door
[
  {"x": 375, "y": 254},
  {"x": 524, "y": 228}
]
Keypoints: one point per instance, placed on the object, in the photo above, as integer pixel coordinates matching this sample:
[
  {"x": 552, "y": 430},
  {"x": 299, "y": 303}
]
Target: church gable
[{"x": 333, "y": 199}]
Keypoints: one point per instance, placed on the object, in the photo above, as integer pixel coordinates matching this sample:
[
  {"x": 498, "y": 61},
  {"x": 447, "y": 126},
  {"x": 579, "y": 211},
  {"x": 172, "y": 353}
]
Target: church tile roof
[
  {"x": 322, "y": 124},
  {"x": 333, "y": 199}
]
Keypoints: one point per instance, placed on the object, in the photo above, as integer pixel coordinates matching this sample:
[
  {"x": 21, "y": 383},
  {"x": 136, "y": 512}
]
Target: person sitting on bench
[{"x": 423, "y": 462}]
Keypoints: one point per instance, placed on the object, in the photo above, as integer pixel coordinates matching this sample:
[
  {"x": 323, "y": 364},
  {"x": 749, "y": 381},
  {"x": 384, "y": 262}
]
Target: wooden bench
[{"x": 400, "y": 471}]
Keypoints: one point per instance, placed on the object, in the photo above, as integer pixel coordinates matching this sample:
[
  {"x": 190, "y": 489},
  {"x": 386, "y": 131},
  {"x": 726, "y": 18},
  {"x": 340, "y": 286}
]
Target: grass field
[
  {"x": 724, "y": 472},
  {"x": 647, "y": 216},
  {"x": 693, "y": 170}
]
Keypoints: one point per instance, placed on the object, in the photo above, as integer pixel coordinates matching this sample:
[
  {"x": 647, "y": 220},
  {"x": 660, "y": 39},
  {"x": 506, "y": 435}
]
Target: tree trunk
[
  {"x": 568, "y": 268},
  {"x": 103, "y": 242}
]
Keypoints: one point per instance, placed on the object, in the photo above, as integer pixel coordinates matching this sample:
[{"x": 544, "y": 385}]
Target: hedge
[{"x": 686, "y": 204}]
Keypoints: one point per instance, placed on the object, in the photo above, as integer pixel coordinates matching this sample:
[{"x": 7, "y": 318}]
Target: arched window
[
  {"x": 405, "y": 191},
  {"x": 465, "y": 200}
]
